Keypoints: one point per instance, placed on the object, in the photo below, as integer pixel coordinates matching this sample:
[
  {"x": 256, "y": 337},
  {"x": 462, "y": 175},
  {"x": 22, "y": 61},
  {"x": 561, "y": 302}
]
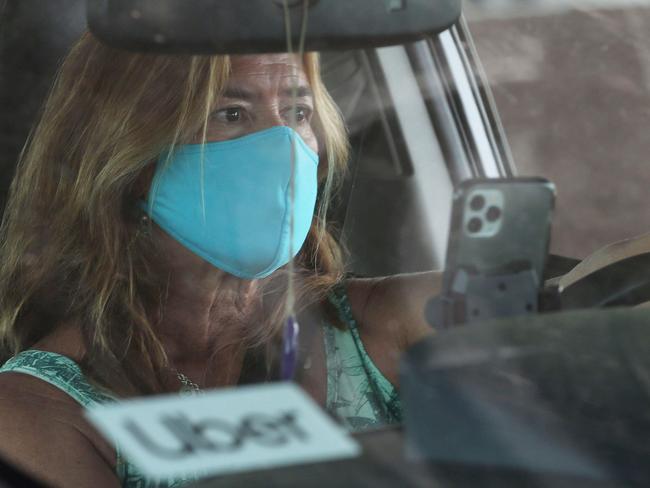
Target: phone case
[{"x": 498, "y": 244}]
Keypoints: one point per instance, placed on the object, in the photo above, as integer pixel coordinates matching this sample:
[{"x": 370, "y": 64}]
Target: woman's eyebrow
[
  {"x": 302, "y": 91},
  {"x": 238, "y": 93}
]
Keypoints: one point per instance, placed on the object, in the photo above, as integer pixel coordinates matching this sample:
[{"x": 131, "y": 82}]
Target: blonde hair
[{"x": 71, "y": 247}]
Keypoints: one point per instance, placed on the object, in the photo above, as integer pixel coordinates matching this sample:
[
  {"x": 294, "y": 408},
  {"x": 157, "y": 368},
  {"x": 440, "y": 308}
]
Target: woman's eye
[
  {"x": 230, "y": 114},
  {"x": 303, "y": 114},
  {"x": 233, "y": 114}
]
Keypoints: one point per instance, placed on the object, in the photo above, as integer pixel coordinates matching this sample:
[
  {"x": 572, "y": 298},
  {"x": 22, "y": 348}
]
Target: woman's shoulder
[
  {"x": 27, "y": 400},
  {"x": 393, "y": 306},
  {"x": 389, "y": 313},
  {"x": 44, "y": 432}
]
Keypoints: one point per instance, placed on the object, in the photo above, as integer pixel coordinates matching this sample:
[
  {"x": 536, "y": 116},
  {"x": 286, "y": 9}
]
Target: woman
[{"x": 132, "y": 266}]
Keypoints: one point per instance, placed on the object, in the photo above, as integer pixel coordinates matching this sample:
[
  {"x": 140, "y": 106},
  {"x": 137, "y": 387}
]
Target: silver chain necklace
[{"x": 188, "y": 385}]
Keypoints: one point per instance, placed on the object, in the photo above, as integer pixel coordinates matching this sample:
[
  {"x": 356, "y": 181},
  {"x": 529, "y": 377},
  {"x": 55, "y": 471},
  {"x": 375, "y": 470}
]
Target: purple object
[{"x": 289, "y": 349}]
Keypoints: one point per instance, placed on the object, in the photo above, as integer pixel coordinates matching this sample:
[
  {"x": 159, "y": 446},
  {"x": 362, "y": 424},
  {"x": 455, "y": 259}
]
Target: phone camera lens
[
  {"x": 477, "y": 203},
  {"x": 493, "y": 214},
  {"x": 474, "y": 225}
]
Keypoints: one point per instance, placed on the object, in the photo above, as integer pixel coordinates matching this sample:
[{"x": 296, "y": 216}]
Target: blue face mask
[{"x": 234, "y": 210}]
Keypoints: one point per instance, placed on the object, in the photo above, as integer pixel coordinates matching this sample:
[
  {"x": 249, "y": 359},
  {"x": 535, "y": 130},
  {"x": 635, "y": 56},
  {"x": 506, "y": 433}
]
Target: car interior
[{"x": 392, "y": 215}]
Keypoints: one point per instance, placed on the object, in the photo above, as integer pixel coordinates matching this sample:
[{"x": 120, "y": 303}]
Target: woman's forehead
[{"x": 281, "y": 66}]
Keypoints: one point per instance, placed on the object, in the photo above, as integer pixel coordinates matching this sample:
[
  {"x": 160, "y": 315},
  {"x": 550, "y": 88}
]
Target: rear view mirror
[{"x": 257, "y": 26}]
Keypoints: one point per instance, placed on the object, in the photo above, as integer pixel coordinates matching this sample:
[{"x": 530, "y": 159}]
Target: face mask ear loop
[{"x": 291, "y": 327}]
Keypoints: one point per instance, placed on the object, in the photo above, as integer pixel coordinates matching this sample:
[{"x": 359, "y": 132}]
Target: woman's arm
[
  {"x": 43, "y": 432},
  {"x": 390, "y": 315}
]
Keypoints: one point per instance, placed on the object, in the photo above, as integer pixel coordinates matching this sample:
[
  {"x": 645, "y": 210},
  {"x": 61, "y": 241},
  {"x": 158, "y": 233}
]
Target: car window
[
  {"x": 386, "y": 203},
  {"x": 572, "y": 88}
]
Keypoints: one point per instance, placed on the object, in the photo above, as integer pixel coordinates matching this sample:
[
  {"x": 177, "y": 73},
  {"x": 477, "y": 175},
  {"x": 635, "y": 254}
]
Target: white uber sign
[{"x": 222, "y": 431}]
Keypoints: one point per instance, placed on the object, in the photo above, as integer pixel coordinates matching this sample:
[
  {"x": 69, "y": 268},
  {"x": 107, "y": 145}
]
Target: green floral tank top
[{"x": 357, "y": 392}]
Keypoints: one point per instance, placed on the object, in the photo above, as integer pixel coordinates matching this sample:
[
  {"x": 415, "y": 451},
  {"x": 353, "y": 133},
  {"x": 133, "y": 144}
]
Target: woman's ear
[{"x": 143, "y": 181}]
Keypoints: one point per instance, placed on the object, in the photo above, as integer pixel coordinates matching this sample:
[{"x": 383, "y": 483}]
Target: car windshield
[
  {"x": 179, "y": 223},
  {"x": 571, "y": 86}
]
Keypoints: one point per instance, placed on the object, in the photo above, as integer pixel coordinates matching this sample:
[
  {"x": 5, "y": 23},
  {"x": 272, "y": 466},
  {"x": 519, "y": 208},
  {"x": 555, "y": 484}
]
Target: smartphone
[{"x": 497, "y": 249}]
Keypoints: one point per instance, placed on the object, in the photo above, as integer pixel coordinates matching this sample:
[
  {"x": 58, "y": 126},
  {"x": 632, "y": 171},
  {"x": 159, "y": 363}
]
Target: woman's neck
[
  {"x": 206, "y": 316},
  {"x": 204, "y": 333}
]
